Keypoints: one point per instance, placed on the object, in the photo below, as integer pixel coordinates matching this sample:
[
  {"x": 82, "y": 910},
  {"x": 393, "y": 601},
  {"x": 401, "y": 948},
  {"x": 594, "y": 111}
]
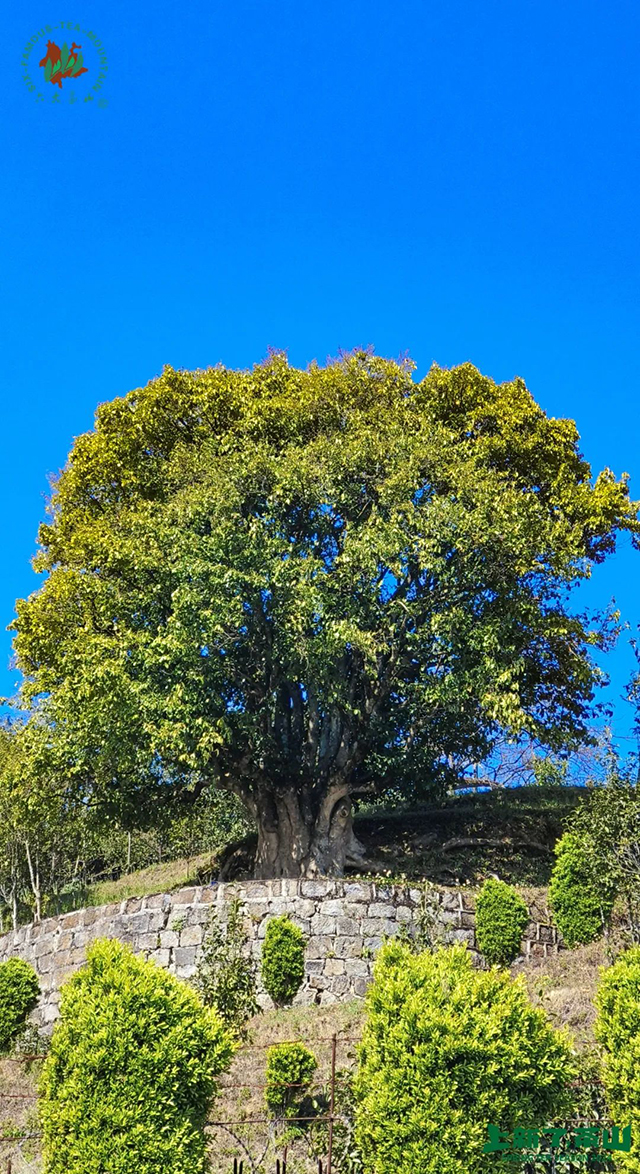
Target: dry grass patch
[{"x": 242, "y": 1096}]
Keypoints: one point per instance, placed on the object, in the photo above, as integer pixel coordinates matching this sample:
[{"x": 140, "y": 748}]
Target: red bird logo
[{"x": 60, "y": 63}]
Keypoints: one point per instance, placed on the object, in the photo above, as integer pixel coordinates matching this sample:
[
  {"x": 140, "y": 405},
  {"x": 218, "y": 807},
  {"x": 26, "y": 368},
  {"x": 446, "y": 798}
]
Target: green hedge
[
  {"x": 283, "y": 959},
  {"x": 447, "y": 1050},
  {"x": 501, "y": 919},
  {"x": 19, "y": 991},
  {"x": 289, "y": 1064},
  {"x": 581, "y": 906},
  {"x": 617, "y": 1030},
  {"x": 131, "y": 1072}
]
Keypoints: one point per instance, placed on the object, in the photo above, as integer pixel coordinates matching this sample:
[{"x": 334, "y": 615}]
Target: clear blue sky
[{"x": 455, "y": 180}]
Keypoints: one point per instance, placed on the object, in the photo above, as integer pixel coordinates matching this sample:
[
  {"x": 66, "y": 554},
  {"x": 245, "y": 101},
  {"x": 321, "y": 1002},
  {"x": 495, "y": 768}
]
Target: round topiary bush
[
  {"x": 289, "y": 1071},
  {"x": 581, "y": 905},
  {"x": 501, "y": 919},
  {"x": 19, "y": 990},
  {"x": 131, "y": 1071},
  {"x": 283, "y": 959},
  {"x": 446, "y": 1050},
  {"x": 617, "y": 1029}
]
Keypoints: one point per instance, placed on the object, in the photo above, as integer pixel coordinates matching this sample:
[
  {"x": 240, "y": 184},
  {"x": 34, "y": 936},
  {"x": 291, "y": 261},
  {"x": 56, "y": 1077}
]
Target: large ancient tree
[{"x": 306, "y": 585}]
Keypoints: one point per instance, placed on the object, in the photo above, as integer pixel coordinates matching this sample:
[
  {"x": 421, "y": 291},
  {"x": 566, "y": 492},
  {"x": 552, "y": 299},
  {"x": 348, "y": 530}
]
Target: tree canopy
[{"x": 301, "y": 586}]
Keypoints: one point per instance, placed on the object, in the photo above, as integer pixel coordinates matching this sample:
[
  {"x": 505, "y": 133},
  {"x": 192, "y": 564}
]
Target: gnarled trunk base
[{"x": 292, "y": 844}]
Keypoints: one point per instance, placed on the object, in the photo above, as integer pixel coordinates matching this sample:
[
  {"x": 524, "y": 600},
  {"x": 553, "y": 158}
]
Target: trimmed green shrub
[
  {"x": 617, "y": 1029},
  {"x": 581, "y": 904},
  {"x": 501, "y": 919},
  {"x": 226, "y": 974},
  {"x": 19, "y": 990},
  {"x": 446, "y": 1050},
  {"x": 131, "y": 1071},
  {"x": 288, "y": 1065},
  {"x": 283, "y": 959}
]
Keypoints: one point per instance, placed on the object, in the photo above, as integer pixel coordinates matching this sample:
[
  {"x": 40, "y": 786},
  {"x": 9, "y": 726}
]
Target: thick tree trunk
[{"x": 293, "y": 842}]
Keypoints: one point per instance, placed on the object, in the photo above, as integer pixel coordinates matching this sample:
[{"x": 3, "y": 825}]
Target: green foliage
[
  {"x": 501, "y": 919},
  {"x": 617, "y": 1029},
  {"x": 581, "y": 908},
  {"x": 598, "y": 861},
  {"x": 19, "y": 990},
  {"x": 290, "y": 1068},
  {"x": 226, "y": 975},
  {"x": 372, "y": 569},
  {"x": 447, "y": 1048},
  {"x": 131, "y": 1072},
  {"x": 283, "y": 959}
]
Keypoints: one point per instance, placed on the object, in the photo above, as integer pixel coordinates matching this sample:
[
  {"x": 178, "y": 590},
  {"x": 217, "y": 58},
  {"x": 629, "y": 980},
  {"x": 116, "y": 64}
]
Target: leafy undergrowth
[{"x": 508, "y": 833}]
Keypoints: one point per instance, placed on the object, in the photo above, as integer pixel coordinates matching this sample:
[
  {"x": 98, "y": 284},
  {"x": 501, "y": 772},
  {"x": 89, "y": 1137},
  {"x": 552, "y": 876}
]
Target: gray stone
[
  {"x": 377, "y": 926},
  {"x": 332, "y": 908},
  {"x": 358, "y": 892},
  {"x": 44, "y": 946},
  {"x": 318, "y": 947},
  {"x": 323, "y": 926},
  {"x": 147, "y": 941},
  {"x": 357, "y": 967},
  {"x": 184, "y": 956},
  {"x": 340, "y": 984},
  {"x": 191, "y": 936},
  {"x": 377, "y": 910},
  {"x": 333, "y": 966},
  {"x": 347, "y": 927},
  {"x": 317, "y": 888}
]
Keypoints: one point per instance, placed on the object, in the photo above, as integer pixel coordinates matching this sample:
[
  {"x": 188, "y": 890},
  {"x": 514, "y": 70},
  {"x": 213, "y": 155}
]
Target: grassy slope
[{"x": 523, "y": 825}]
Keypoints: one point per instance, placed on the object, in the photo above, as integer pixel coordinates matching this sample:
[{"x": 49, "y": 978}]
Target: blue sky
[{"x": 459, "y": 181}]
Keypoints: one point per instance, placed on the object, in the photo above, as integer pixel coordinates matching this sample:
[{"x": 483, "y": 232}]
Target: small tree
[
  {"x": 501, "y": 919},
  {"x": 290, "y": 1067},
  {"x": 447, "y": 1049},
  {"x": 283, "y": 959},
  {"x": 226, "y": 975},
  {"x": 581, "y": 901},
  {"x": 131, "y": 1072},
  {"x": 617, "y": 1029},
  {"x": 19, "y": 990},
  {"x": 598, "y": 861}
]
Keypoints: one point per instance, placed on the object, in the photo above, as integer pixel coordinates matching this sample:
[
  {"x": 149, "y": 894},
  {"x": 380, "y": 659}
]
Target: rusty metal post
[{"x": 333, "y": 1100}]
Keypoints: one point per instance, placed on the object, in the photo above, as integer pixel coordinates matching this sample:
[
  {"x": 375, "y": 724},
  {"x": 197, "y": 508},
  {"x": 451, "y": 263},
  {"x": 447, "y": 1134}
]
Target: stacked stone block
[{"x": 344, "y": 923}]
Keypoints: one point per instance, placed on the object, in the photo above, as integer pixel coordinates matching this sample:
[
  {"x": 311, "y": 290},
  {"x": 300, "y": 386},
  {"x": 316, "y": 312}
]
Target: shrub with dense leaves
[
  {"x": 580, "y": 899},
  {"x": 617, "y": 1030},
  {"x": 446, "y": 1050},
  {"x": 283, "y": 959},
  {"x": 19, "y": 990},
  {"x": 131, "y": 1072},
  {"x": 226, "y": 975},
  {"x": 290, "y": 1068},
  {"x": 501, "y": 919}
]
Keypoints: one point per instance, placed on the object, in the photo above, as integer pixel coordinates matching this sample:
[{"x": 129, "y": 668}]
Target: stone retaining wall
[{"x": 344, "y": 922}]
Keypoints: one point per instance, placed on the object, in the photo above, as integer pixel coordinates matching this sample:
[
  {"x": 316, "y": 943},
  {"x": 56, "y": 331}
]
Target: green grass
[{"x": 156, "y": 878}]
